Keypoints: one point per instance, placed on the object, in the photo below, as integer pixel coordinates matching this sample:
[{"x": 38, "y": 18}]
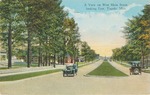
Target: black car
[
  {"x": 70, "y": 70},
  {"x": 135, "y": 69}
]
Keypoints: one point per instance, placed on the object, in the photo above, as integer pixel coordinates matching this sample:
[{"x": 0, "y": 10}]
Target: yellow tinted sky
[
  {"x": 103, "y": 49},
  {"x": 102, "y": 29}
]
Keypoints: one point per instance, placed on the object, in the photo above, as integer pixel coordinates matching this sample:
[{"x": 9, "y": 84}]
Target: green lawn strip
[
  {"x": 106, "y": 69},
  {"x": 82, "y": 65},
  {"x": 24, "y": 64},
  {"x": 3, "y": 68},
  {"x": 17, "y": 65},
  {"x": 34, "y": 74},
  {"x": 85, "y": 64},
  {"x": 146, "y": 71},
  {"x": 125, "y": 64},
  {"x": 26, "y": 75}
]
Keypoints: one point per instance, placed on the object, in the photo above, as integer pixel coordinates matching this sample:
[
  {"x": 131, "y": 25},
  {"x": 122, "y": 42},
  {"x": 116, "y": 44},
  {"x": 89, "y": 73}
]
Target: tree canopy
[
  {"x": 137, "y": 34},
  {"x": 38, "y": 28}
]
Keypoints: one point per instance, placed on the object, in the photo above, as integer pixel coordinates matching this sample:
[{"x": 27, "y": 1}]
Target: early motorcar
[
  {"x": 70, "y": 70},
  {"x": 135, "y": 68}
]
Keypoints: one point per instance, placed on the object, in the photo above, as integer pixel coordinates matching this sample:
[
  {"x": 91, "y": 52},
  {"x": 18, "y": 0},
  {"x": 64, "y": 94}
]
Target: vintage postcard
[{"x": 74, "y": 47}]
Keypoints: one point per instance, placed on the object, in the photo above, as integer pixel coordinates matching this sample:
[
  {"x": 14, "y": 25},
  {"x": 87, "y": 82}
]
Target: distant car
[
  {"x": 70, "y": 70},
  {"x": 135, "y": 69}
]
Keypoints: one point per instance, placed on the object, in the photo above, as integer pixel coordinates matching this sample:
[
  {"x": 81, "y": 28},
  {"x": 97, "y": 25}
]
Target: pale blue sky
[{"x": 100, "y": 21}]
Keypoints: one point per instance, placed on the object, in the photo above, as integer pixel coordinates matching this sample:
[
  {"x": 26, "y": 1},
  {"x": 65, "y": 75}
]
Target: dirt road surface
[{"x": 56, "y": 84}]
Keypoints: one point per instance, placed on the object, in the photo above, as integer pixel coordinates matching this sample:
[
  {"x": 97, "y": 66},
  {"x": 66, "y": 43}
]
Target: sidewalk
[
  {"x": 28, "y": 70},
  {"x": 22, "y": 70},
  {"x": 120, "y": 67}
]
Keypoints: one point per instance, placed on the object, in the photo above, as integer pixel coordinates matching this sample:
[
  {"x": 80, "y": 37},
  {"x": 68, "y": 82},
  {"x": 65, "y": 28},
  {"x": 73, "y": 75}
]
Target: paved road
[
  {"x": 56, "y": 84},
  {"x": 28, "y": 70}
]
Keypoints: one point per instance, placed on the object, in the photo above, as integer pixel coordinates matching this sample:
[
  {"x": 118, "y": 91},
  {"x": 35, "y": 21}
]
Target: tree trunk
[
  {"x": 54, "y": 64},
  {"x": 85, "y": 59},
  {"x": 29, "y": 49},
  {"x": 143, "y": 63},
  {"x": 58, "y": 59},
  {"x": 74, "y": 56},
  {"x": 49, "y": 60},
  {"x": 9, "y": 46},
  {"x": 46, "y": 55},
  {"x": 42, "y": 60},
  {"x": 46, "y": 58},
  {"x": 147, "y": 62},
  {"x": 39, "y": 61},
  {"x": 63, "y": 58}
]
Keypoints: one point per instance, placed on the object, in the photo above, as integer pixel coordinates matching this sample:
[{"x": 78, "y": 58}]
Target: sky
[{"x": 101, "y": 22}]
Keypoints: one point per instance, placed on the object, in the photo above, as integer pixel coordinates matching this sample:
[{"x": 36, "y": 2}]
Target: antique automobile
[
  {"x": 70, "y": 70},
  {"x": 135, "y": 68}
]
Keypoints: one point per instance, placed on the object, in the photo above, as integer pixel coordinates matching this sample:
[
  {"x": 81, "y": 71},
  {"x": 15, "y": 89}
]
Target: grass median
[
  {"x": 33, "y": 74},
  {"x": 146, "y": 71},
  {"x": 26, "y": 75},
  {"x": 106, "y": 69}
]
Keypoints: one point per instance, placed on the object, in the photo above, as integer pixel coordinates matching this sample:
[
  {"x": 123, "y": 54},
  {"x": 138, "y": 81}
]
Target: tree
[
  {"x": 40, "y": 18},
  {"x": 39, "y": 28},
  {"x": 71, "y": 38},
  {"x": 9, "y": 18},
  {"x": 126, "y": 53},
  {"x": 146, "y": 24},
  {"x": 87, "y": 52},
  {"x": 137, "y": 34}
]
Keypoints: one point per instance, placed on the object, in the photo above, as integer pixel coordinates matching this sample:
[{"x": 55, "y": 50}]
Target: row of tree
[
  {"x": 38, "y": 28},
  {"x": 137, "y": 33},
  {"x": 88, "y": 53}
]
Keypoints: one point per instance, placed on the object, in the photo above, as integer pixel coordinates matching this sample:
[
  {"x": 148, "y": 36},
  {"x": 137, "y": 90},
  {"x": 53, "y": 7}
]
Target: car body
[
  {"x": 70, "y": 70},
  {"x": 135, "y": 68}
]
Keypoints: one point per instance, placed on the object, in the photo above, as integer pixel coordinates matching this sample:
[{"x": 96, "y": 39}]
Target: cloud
[{"x": 101, "y": 30}]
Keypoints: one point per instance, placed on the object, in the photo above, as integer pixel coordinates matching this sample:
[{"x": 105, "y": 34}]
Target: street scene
[
  {"x": 56, "y": 84},
  {"x": 74, "y": 47}
]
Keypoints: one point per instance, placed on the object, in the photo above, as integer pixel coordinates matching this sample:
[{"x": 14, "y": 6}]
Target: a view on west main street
[{"x": 74, "y": 47}]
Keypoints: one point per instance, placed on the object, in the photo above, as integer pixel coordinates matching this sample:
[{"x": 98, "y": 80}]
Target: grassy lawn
[
  {"x": 105, "y": 69},
  {"x": 24, "y": 64},
  {"x": 125, "y": 64},
  {"x": 19, "y": 65},
  {"x": 3, "y": 68},
  {"x": 82, "y": 64},
  {"x": 26, "y": 75},
  {"x": 146, "y": 71}
]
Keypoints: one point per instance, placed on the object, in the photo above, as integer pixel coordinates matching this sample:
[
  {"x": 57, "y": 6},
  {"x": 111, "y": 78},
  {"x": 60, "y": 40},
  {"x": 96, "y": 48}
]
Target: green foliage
[
  {"x": 126, "y": 53},
  {"x": 39, "y": 28},
  {"x": 8, "y": 19},
  {"x": 105, "y": 69},
  {"x": 146, "y": 71},
  {"x": 87, "y": 52},
  {"x": 137, "y": 34},
  {"x": 26, "y": 75}
]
